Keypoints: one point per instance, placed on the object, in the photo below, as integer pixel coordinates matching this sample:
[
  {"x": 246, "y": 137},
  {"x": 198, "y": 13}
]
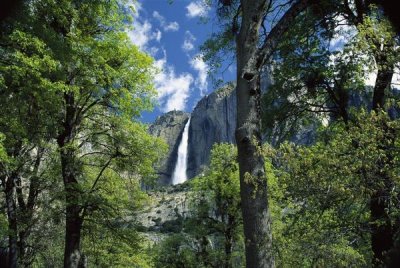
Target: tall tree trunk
[
  {"x": 382, "y": 231},
  {"x": 12, "y": 222},
  {"x": 74, "y": 219},
  {"x": 253, "y": 181},
  {"x": 383, "y": 227}
]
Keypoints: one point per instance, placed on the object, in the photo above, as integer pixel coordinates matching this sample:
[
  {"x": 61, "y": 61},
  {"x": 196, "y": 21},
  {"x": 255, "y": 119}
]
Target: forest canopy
[{"x": 312, "y": 181}]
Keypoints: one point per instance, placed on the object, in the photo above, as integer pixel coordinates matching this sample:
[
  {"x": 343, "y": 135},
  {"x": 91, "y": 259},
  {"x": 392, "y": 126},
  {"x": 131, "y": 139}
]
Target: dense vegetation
[
  {"x": 74, "y": 154},
  {"x": 73, "y": 150}
]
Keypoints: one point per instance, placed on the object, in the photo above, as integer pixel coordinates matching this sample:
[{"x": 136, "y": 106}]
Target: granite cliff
[
  {"x": 169, "y": 127},
  {"x": 213, "y": 120}
]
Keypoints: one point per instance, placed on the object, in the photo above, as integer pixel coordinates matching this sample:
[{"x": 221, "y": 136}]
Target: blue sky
[{"x": 172, "y": 31}]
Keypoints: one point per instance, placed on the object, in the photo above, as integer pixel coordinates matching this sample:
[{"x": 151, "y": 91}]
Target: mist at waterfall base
[{"x": 179, "y": 175}]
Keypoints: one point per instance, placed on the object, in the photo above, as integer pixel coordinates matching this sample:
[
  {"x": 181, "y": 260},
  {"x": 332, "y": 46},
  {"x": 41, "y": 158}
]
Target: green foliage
[
  {"x": 377, "y": 38},
  {"x": 212, "y": 234},
  {"x": 175, "y": 251},
  {"x": 3, "y": 153},
  {"x": 321, "y": 194},
  {"x": 74, "y": 58}
]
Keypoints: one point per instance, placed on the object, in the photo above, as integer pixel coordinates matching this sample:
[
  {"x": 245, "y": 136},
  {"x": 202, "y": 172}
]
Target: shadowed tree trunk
[
  {"x": 73, "y": 217},
  {"x": 383, "y": 231},
  {"x": 253, "y": 181}
]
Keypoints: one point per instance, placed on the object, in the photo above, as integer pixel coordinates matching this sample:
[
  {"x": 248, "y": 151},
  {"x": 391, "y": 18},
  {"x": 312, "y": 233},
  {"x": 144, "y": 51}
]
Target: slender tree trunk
[
  {"x": 12, "y": 222},
  {"x": 253, "y": 181}
]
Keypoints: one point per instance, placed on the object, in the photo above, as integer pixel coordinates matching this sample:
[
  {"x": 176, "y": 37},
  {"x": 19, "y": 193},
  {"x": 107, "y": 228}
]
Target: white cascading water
[{"x": 179, "y": 175}]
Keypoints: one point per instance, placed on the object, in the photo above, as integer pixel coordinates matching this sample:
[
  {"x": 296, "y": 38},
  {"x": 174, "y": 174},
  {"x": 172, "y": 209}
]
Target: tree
[
  {"x": 107, "y": 84},
  {"x": 88, "y": 84},
  {"x": 216, "y": 206},
  {"x": 306, "y": 85},
  {"x": 27, "y": 124},
  {"x": 253, "y": 48},
  {"x": 323, "y": 192}
]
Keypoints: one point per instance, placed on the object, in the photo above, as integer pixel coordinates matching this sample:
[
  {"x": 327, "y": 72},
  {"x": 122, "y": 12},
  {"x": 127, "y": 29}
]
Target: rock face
[
  {"x": 213, "y": 121},
  {"x": 169, "y": 127},
  {"x": 165, "y": 213}
]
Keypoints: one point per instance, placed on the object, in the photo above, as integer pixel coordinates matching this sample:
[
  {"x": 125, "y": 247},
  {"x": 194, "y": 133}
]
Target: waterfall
[{"x": 179, "y": 175}]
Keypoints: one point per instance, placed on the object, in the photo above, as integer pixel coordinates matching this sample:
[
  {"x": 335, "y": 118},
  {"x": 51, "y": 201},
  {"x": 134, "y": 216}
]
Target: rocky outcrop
[
  {"x": 169, "y": 127},
  {"x": 166, "y": 211},
  {"x": 213, "y": 121}
]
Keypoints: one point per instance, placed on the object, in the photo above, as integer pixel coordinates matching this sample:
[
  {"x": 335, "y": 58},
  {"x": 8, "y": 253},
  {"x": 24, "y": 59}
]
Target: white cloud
[
  {"x": 201, "y": 67},
  {"x": 142, "y": 32},
  {"x": 196, "y": 9},
  {"x": 173, "y": 27},
  {"x": 158, "y": 35},
  {"x": 188, "y": 41},
  {"x": 140, "y": 35},
  {"x": 173, "y": 90},
  {"x": 158, "y": 17},
  {"x": 167, "y": 26},
  {"x": 153, "y": 51}
]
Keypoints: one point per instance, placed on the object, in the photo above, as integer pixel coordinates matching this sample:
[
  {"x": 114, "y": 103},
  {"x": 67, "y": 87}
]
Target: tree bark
[
  {"x": 383, "y": 81},
  {"x": 74, "y": 219},
  {"x": 253, "y": 181},
  {"x": 382, "y": 231}
]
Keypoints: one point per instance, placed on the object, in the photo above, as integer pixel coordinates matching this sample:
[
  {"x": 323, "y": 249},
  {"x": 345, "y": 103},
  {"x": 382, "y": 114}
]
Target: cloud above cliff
[
  {"x": 201, "y": 67},
  {"x": 173, "y": 89}
]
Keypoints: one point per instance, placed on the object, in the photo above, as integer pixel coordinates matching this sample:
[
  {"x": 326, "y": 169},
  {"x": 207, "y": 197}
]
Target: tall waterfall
[{"x": 179, "y": 175}]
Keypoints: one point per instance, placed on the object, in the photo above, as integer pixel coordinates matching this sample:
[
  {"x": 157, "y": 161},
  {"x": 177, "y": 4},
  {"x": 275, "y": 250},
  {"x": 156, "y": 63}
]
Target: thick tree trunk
[
  {"x": 72, "y": 252},
  {"x": 253, "y": 181},
  {"x": 73, "y": 221},
  {"x": 383, "y": 227},
  {"x": 382, "y": 231}
]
